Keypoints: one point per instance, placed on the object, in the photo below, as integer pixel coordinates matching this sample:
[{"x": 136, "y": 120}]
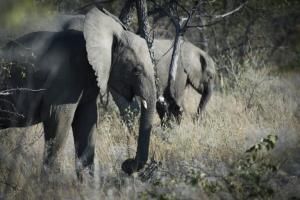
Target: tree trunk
[
  {"x": 175, "y": 55},
  {"x": 202, "y": 22},
  {"x": 144, "y": 31},
  {"x": 126, "y": 15},
  {"x": 225, "y": 42},
  {"x": 144, "y": 27}
]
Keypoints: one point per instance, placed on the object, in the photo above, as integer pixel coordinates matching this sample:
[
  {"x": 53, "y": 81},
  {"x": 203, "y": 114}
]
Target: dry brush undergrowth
[{"x": 196, "y": 160}]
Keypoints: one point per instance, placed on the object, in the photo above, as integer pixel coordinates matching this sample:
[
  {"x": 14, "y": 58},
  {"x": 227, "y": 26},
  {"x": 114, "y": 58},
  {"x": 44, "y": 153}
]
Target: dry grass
[{"x": 260, "y": 105}]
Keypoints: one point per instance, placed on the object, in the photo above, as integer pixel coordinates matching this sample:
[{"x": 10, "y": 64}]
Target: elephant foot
[
  {"x": 198, "y": 118},
  {"x": 84, "y": 176},
  {"x": 130, "y": 166},
  {"x": 84, "y": 172}
]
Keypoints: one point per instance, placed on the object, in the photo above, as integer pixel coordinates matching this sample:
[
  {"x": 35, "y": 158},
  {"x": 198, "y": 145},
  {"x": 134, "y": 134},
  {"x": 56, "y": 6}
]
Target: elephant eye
[{"x": 136, "y": 71}]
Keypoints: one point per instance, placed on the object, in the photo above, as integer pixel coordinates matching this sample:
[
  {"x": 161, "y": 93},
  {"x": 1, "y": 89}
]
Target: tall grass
[{"x": 193, "y": 160}]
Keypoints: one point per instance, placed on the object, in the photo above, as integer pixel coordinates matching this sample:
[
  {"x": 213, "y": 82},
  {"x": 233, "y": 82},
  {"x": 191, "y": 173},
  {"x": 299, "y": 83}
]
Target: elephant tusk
[
  {"x": 161, "y": 99},
  {"x": 144, "y": 103}
]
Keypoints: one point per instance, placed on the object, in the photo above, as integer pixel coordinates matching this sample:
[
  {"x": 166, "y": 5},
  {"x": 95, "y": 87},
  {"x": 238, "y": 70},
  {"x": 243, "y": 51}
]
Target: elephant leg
[
  {"x": 84, "y": 126},
  {"x": 57, "y": 122},
  {"x": 168, "y": 112},
  {"x": 205, "y": 97},
  {"x": 176, "y": 112},
  {"x": 162, "y": 110}
]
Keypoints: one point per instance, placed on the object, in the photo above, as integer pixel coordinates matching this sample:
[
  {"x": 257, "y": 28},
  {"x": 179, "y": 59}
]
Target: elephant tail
[
  {"x": 203, "y": 63},
  {"x": 208, "y": 65}
]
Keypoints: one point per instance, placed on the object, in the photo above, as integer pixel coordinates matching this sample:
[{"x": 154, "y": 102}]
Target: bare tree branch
[
  {"x": 12, "y": 113},
  {"x": 143, "y": 22},
  {"x": 231, "y": 12},
  {"x": 217, "y": 18},
  {"x": 9, "y": 91},
  {"x": 126, "y": 14}
]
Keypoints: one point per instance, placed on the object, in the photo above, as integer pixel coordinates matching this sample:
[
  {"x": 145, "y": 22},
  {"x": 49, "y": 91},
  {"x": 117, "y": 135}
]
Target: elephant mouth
[
  {"x": 143, "y": 100},
  {"x": 127, "y": 92}
]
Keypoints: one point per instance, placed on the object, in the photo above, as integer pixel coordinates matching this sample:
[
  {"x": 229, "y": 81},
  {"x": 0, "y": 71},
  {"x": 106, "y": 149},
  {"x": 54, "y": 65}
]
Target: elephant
[
  {"x": 56, "y": 78},
  {"x": 195, "y": 68}
]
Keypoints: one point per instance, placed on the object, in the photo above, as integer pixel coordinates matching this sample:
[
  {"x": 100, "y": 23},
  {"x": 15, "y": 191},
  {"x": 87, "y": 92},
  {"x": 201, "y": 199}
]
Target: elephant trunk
[
  {"x": 146, "y": 122},
  {"x": 206, "y": 95}
]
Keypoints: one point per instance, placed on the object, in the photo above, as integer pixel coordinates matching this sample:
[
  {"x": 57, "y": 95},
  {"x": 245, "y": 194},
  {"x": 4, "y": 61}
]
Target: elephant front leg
[
  {"x": 176, "y": 112},
  {"x": 162, "y": 110},
  {"x": 57, "y": 122},
  {"x": 84, "y": 128}
]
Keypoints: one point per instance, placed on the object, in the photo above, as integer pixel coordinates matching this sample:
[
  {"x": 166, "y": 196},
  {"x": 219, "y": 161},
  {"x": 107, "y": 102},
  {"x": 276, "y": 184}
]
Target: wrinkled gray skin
[
  {"x": 69, "y": 69},
  {"x": 195, "y": 68}
]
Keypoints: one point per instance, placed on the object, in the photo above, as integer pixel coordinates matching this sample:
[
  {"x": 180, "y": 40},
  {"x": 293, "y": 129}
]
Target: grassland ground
[{"x": 195, "y": 160}]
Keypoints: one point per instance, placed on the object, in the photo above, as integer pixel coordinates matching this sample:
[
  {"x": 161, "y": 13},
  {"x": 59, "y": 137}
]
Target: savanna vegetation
[{"x": 245, "y": 146}]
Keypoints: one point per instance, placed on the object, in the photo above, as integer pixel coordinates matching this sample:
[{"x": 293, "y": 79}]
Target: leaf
[{"x": 273, "y": 138}]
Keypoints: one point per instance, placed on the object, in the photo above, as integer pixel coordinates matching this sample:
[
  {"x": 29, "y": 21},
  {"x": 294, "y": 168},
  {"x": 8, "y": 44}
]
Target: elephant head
[
  {"x": 121, "y": 62},
  {"x": 199, "y": 68}
]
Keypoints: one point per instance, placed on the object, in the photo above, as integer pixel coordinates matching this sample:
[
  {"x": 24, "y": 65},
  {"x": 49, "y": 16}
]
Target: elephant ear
[
  {"x": 99, "y": 32},
  {"x": 195, "y": 68}
]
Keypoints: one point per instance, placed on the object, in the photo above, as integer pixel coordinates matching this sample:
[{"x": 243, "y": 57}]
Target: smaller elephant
[{"x": 195, "y": 68}]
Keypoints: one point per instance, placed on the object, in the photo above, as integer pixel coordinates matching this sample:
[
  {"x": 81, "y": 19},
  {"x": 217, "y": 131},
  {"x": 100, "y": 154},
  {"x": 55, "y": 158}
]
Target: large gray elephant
[
  {"x": 56, "y": 77},
  {"x": 195, "y": 68}
]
